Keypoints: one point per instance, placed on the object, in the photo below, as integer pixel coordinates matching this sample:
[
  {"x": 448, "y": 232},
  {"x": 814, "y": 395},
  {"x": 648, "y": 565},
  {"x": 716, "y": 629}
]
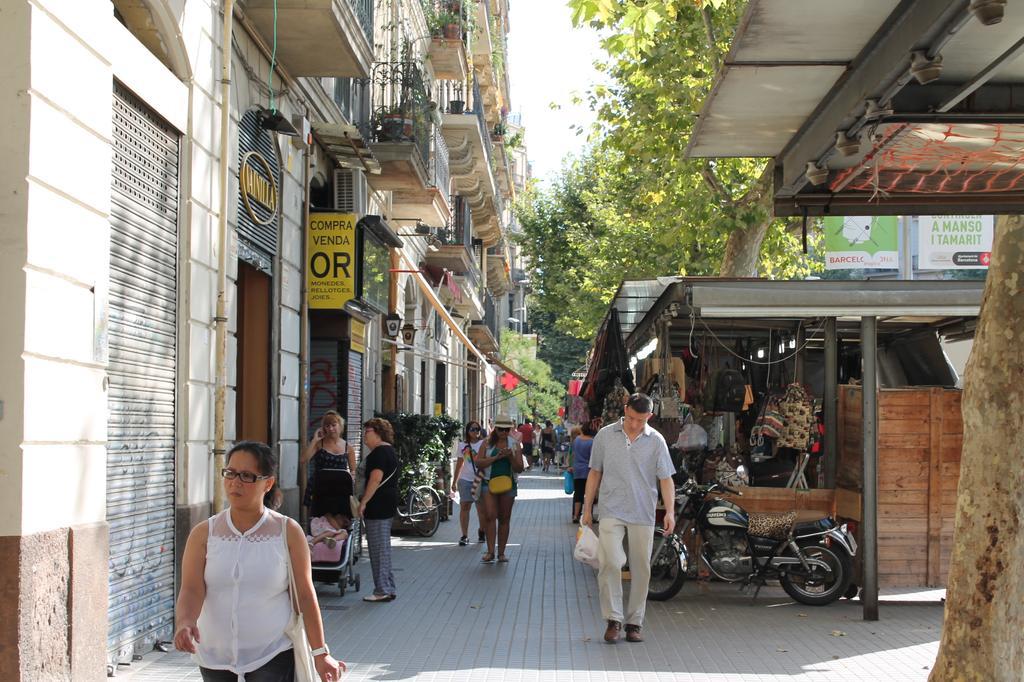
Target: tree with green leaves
[
  {"x": 542, "y": 395},
  {"x": 632, "y": 207},
  {"x": 564, "y": 353}
]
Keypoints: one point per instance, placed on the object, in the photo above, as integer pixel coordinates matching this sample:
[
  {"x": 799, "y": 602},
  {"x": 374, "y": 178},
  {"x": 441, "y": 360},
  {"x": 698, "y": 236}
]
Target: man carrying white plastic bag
[
  {"x": 587, "y": 548},
  {"x": 629, "y": 463}
]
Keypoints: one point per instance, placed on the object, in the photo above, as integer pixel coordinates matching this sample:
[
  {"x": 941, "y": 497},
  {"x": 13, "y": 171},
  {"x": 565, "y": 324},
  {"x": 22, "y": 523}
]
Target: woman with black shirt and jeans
[{"x": 379, "y": 504}]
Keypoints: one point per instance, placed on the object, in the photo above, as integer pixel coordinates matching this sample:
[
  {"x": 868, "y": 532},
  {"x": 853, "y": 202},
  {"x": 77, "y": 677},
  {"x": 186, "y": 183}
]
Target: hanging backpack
[{"x": 726, "y": 391}]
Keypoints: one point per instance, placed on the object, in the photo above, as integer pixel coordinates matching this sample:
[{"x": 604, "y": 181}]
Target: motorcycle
[{"x": 810, "y": 555}]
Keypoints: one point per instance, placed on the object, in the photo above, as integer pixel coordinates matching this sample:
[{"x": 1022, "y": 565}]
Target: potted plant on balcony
[
  {"x": 395, "y": 125},
  {"x": 456, "y": 106},
  {"x": 498, "y": 134},
  {"x": 445, "y": 24}
]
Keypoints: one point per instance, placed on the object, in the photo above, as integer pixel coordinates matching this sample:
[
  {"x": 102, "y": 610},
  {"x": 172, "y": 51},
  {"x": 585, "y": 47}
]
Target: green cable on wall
[{"x": 273, "y": 61}]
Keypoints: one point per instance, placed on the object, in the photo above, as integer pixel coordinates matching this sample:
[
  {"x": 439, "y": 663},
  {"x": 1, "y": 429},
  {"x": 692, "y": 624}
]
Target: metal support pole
[
  {"x": 907, "y": 252},
  {"x": 799, "y": 365},
  {"x": 869, "y": 512},
  {"x": 831, "y": 404}
]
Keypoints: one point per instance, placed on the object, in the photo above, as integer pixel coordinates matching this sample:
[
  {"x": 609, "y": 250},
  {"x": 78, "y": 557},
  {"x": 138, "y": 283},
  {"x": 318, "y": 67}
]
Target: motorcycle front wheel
[
  {"x": 668, "y": 569},
  {"x": 818, "y": 587}
]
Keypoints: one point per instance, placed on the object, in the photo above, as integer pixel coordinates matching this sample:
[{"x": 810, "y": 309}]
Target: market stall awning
[
  {"x": 875, "y": 107},
  {"x": 895, "y": 299},
  {"x": 899, "y": 304},
  {"x": 635, "y": 297}
]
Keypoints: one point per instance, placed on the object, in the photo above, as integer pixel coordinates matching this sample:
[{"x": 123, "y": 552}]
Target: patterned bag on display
[
  {"x": 771, "y": 423},
  {"x": 798, "y": 411}
]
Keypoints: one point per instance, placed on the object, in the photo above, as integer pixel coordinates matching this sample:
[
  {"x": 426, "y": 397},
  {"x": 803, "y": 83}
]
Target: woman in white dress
[{"x": 234, "y": 604}]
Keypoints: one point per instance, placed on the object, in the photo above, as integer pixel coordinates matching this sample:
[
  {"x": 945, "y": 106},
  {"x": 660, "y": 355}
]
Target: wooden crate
[{"x": 920, "y": 434}]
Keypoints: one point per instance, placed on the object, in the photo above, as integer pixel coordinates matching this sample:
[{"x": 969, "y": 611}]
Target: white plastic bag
[
  {"x": 586, "y": 547},
  {"x": 692, "y": 437}
]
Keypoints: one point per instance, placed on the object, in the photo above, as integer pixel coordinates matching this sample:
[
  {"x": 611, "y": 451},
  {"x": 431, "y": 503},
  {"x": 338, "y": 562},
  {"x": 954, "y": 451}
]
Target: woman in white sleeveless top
[{"x": 234, "y": 605}]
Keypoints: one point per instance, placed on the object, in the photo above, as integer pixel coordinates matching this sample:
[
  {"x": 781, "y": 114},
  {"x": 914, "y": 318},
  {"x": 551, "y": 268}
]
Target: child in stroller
[
  {"x": 326, "y": 533},
  {"x": 332, "y": 528}
]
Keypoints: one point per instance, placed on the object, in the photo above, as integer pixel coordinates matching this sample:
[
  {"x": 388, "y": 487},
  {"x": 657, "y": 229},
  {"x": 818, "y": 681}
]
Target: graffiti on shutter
[{"x": 142, "y": 373}]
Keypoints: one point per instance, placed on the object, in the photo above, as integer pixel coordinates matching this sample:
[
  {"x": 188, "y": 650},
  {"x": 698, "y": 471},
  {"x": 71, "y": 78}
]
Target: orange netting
[{"x": 940, "y": 159}]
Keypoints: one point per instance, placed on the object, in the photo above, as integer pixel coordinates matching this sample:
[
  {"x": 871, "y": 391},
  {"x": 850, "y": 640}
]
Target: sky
[{"x": 549, "y": 60}]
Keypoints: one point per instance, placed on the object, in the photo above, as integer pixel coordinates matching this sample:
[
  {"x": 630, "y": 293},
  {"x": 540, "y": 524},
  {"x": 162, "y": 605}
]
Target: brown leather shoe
[
  {"x": 611, "y": 635},
  {"x": 633, "y": 634}
]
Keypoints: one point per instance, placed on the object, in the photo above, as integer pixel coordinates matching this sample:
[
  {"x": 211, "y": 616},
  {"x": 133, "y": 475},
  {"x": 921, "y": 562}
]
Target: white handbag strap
[{"x": 292, "y": 590}]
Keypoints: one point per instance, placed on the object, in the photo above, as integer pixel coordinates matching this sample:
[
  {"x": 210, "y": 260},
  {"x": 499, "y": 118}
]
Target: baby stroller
[{"x": 333, "y": 562}]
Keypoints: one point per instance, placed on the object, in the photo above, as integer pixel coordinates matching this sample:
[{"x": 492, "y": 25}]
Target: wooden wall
[{"x": 920, "y": 435}]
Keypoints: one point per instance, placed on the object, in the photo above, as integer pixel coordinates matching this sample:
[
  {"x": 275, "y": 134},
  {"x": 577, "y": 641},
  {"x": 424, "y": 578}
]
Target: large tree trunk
[
  {"x": 983, "y": 635},
  {"x": 743, "y": 250}
]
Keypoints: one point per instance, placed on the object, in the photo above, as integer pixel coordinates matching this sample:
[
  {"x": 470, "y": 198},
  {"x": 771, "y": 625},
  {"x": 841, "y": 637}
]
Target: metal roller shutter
[
  {"x": 354, "y": 402},
  {"x": 142, "y": 370},
  {"x": 258, "y": 242}
]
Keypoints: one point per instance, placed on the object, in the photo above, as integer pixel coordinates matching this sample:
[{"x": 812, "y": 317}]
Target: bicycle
[{"x": 421, "y": 510}]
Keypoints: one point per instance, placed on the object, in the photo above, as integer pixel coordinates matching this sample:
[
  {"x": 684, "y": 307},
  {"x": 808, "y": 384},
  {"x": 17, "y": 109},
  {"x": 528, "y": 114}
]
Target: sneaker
[{"x": 463, "y": 541}]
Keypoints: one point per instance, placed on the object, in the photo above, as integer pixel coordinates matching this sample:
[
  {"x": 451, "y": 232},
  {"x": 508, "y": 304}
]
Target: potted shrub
[
  {"x": 456, "y": 106},
  {"x": 395, "y": 125}
]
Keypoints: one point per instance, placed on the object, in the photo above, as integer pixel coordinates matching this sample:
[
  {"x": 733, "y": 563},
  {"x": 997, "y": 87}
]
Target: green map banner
[{"x": 852, "y": 243}]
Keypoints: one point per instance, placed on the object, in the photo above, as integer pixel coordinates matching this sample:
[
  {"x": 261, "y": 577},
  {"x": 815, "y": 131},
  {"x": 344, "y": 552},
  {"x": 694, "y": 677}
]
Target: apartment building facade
[{"x": 217, "y": 213}]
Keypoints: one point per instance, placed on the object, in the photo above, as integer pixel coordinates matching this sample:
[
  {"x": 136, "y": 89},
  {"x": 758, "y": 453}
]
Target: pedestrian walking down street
[
  {"x": 629, "y": 463},
  {"x": 526, "y": 441},
  {"x": 465, "y": 473},
  {"x": 547, "y": 444},
  {"x": 504, "y": 459},
  {"x": 234, "y": 605},
  {"x": 580, "y": 464},
  {"x": 379, "y": 504}
]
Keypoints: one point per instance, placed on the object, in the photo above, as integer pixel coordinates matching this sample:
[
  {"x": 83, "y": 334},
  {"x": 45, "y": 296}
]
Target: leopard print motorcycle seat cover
[{"x": 775, "y": 526}]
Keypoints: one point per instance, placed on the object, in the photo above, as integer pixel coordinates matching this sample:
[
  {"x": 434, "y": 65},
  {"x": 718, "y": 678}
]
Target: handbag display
[
  {"x": 305, "y": 668},
  {"x": 798, "y": 413}
]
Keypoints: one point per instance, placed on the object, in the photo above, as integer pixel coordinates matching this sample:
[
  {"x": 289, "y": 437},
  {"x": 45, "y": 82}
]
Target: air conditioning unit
[{"x": 350, "y": 191}]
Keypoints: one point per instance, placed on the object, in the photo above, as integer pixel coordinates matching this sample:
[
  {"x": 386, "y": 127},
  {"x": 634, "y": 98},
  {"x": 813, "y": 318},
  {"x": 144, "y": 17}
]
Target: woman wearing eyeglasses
[
  {"x": 504, "y": 458},
  {"x": 234, "y": 604},
  {"x": 462, "y": 480},
  {"x": 379, "y": 504}
]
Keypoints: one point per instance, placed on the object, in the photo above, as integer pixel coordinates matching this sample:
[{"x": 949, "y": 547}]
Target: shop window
[{"x": 376, "y": 271}]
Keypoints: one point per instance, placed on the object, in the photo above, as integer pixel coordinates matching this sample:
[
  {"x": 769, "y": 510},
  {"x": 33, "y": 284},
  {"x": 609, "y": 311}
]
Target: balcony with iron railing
[
  {"x": 449, "y": 23},
  {"x": 317, "y": 38},
  {"x": 473, "y": 162},
  {"x": 413, "y": 154},
  {"x": 484, "y": 333},
  {"x": 499, "y": 272}
]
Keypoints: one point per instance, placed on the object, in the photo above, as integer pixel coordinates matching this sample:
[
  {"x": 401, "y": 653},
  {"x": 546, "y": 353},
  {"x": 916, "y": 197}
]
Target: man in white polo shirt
[{"x": 628, "y": 464}]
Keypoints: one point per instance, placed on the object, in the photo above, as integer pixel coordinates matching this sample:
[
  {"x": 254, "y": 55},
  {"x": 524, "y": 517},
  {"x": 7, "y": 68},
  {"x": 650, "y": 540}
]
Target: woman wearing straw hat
[{"x": 503, "y": 457}]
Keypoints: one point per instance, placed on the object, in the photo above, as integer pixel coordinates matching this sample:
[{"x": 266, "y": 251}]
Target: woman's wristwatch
[{"x": 322, "y": 650}]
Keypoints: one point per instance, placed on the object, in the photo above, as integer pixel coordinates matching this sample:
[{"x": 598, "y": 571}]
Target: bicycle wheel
[{"x": 424, "y": 509}]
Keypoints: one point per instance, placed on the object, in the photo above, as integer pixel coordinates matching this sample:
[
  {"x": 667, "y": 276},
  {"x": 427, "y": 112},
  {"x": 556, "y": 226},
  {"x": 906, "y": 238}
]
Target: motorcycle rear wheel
[
  {"x": 796, "y": 583},
  {"x": 667, "y": 571}
]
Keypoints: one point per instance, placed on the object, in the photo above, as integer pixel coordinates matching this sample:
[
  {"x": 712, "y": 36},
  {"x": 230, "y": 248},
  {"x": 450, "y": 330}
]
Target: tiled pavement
[{"x": 537, "y": 618}]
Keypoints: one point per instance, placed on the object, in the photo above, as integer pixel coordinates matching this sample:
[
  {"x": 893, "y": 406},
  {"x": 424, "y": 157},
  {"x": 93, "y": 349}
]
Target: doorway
[{"x": 252, "y": 392}]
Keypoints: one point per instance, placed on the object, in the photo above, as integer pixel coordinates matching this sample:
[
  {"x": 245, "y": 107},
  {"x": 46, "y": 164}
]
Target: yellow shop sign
[{"x": 330, "y": 259}]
